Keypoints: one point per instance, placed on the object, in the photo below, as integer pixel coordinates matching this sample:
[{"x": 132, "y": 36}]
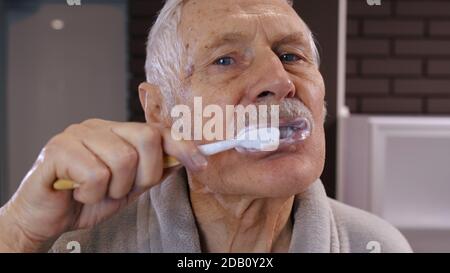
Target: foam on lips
[
  {"x": 255, "y": 139},
  {"x": 296, "y": 130},
  {"x": 295, "y": 119}
]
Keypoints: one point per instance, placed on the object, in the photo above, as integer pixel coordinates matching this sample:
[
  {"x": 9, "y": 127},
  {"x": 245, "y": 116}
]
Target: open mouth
[
  {"x": 289, "y": 132},
  {"x": 295, "y": 130}
]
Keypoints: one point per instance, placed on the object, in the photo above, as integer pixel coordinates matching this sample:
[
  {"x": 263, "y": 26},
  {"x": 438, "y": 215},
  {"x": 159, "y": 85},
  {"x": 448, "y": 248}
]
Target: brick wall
[{"x": 398, "y": 57}]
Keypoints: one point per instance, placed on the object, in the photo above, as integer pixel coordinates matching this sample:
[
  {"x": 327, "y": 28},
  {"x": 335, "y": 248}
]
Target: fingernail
[{"x": 199, "y": 160}]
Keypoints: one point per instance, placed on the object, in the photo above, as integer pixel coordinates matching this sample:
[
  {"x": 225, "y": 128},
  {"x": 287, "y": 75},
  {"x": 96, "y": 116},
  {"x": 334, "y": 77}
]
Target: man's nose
[{"x": 272, "y": 81}]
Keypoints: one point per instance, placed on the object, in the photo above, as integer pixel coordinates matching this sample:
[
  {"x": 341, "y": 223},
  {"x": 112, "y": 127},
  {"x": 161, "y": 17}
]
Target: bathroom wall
[
  {"x": 398, "y": 57},
  {"x": 65, "y": 64}
]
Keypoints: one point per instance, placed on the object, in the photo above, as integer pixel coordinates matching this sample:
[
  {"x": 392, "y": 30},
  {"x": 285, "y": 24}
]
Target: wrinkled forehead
[{"x": 205, "y": 21}]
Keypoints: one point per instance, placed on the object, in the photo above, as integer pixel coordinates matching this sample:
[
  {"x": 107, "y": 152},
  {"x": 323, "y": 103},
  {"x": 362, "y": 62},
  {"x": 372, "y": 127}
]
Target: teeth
[
  {"x": 299, "y": 127},
  {"x": 286, "y": 132}
]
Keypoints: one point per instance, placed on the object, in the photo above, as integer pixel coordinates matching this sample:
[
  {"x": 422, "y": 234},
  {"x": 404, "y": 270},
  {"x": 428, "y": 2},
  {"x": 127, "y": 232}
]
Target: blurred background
[{"x": 386, "y": 66}]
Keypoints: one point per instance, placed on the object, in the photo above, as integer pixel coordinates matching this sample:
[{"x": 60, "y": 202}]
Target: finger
[
  {"x": 185, "y": 151},
  {"x": 116, "y": 153},
  {"x": 147, "y": 141},
  {"x": 70, "y": 159}
]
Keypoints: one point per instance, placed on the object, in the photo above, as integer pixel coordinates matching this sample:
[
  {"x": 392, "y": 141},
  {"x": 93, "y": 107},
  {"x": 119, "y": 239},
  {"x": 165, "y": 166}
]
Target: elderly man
[{"x": 228, "y": 52}]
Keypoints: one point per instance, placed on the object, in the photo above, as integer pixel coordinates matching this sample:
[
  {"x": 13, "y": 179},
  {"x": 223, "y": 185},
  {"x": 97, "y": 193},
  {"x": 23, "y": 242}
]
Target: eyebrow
[
  {"x": 240, "y": 37},
  {"x": 227, "y": 38},
  {"x": 296, "y": 37}
]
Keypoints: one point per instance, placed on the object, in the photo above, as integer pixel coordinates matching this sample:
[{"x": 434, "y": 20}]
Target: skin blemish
[{"x": 190, "y": 71}]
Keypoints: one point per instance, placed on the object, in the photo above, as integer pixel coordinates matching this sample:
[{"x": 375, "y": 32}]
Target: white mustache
[
  {"x": 289, "y": 109},
  {"x": 294, "y": 108}
]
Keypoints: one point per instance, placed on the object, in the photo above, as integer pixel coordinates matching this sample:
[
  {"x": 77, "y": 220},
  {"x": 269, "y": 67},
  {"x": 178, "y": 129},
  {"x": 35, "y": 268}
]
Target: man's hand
[{"x": 112, "y": 162}]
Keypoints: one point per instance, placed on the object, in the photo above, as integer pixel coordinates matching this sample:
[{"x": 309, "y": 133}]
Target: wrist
[{"x": 14, "y": 237}]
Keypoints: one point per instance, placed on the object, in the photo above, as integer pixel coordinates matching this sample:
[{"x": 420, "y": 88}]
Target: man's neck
[{"x": 230, "y": 223}]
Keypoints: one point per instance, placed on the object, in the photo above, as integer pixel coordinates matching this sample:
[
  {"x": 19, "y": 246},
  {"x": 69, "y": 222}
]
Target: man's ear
[{"x": 151, "y": 101}]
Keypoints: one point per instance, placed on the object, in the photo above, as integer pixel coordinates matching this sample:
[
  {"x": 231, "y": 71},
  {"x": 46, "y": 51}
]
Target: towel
[{"x": 161, "y": 220}]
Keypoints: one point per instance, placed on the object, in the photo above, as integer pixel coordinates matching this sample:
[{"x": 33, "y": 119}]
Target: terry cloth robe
[{"x": 161, "y": 220}]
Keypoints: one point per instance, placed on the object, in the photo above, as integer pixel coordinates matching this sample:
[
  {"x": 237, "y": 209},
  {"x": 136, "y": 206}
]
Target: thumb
[{"x": 185, "y": 151}]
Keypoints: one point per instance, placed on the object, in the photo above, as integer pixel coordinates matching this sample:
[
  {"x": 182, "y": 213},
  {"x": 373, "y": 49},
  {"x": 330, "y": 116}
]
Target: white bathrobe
[{"x": 161, "y": 220}]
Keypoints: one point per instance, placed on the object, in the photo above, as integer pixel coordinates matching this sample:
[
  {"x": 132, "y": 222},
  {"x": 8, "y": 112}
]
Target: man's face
[{"x": 242, "y": 52}]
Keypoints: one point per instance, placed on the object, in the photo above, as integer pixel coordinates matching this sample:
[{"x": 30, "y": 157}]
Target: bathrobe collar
[{"x": 165, "y": 215}]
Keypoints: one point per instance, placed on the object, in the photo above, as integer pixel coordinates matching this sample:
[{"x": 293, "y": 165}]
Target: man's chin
[
  {"x": 285, "y": 174},
  {"x": 273, "y": 183},
  {"x": 275, "y": 179}
]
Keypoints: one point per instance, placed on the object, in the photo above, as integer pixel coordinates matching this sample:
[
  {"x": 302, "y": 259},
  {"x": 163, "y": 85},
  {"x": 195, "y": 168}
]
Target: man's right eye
[{"x": 225, "y": 61}]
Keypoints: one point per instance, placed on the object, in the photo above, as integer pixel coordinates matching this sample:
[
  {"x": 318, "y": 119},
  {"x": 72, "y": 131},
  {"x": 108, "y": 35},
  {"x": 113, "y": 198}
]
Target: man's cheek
[{"x": 318, "y": 107}]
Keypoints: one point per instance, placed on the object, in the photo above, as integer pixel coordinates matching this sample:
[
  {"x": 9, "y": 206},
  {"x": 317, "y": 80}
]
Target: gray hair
[{"x": 163, "y": 65}]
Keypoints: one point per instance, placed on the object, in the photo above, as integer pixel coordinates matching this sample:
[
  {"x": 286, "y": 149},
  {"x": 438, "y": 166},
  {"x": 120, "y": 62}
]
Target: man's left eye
[
  {"x": 289, "y": 58},
  {"x": 224, "y": 61}
]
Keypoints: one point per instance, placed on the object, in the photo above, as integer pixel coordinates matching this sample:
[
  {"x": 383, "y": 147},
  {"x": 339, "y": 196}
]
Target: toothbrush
[{"x": 249, "y": 139}]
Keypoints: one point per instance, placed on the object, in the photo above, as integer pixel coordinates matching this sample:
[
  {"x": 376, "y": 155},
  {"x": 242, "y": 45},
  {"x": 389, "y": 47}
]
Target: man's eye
[
  {"x": 289, "y": 58},
  {"x": 224, "y": 61}
]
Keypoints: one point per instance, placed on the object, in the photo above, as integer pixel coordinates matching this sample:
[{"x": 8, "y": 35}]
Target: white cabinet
[{"x": 399, "y": 169}]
